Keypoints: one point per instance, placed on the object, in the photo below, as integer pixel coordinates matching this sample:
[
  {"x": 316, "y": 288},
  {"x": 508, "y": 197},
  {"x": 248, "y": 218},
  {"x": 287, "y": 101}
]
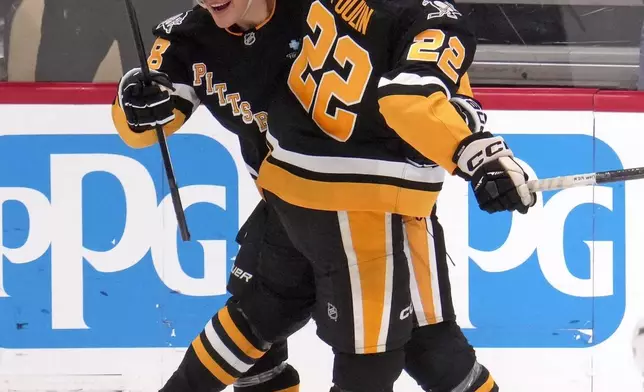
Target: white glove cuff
[{"x": 475, "y": 116}]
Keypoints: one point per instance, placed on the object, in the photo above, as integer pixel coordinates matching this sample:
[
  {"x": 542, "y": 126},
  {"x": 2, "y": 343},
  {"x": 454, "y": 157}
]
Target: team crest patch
[
  {"x": 176, "y": 20},
  {"x": 443, "y": 9}
]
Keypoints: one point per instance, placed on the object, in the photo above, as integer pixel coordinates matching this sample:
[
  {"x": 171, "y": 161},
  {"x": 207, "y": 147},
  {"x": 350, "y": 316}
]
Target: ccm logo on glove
[
  {"x": 483, "y": 155},
  {"x": 498, "y": 181}
]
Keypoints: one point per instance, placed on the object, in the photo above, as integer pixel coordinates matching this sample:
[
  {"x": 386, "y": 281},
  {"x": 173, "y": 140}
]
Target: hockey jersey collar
[{"x": 259, "y": 26}]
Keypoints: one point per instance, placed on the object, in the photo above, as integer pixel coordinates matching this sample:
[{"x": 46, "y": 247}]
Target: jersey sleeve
[
  {"x": 168, "y": 56},
  {"x": 430, "y": 62}
]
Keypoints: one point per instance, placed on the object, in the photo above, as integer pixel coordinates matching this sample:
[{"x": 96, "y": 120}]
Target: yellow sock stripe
[
  {"x": 210, "y": 364},
  {"x": 487, "y": 386},
  {"x": 237, "y": 336}
]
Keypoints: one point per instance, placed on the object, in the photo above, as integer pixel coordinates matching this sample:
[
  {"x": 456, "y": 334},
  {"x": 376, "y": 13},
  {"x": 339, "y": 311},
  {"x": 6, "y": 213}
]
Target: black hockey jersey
[
  {"x": 232, "y": 73},
  {"x": 364, "y": 122}
]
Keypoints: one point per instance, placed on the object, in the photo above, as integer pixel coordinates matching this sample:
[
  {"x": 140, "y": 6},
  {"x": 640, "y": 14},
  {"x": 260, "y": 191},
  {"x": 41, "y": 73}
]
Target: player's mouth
[{"x": 218, "y": 6}]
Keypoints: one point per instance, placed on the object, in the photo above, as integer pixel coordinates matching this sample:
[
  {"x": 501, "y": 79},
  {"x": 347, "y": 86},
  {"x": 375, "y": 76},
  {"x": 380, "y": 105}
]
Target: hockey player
[
  {"x": 230, "y": 65},
  {"x": 245, "y": 329},
  {"x": 353, "y": 172}
]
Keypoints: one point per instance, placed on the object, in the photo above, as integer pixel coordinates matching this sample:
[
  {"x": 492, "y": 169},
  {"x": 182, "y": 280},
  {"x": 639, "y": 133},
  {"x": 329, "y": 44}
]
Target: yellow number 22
[
  {"x": 339, "y": 124},
  {"x": 425, "y": 48}
]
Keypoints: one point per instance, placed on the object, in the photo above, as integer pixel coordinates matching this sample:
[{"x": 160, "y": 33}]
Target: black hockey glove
[
  {"x": 498, "y": 182},
  {"x": 146, "y": 106},
  {"x": 471, "y": 111}
]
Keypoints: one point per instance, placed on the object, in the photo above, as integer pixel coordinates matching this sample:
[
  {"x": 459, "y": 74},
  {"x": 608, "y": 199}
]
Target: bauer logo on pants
[
  {"x": 554, "y": 277},
  {"x": 91, "y": 255}
]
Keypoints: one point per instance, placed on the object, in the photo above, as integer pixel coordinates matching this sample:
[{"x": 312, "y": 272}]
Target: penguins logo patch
[
  {"x": 444, "y": 9},
  {"x": 176, "y": 20}
]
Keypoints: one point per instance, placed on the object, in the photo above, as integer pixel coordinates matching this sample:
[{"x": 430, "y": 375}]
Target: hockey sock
[
  {"x": 219, "y": 355},
  {"x": 367, "y": 372},
  {"x": 440, "y": 359},
  {"x": 479, "y": 380}
]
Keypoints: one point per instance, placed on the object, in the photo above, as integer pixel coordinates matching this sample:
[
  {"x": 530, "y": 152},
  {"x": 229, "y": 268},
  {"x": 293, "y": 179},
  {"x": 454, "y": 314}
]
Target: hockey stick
[
  {"x": 565, "y": 182},
  {"x": 165, "y": 153}
]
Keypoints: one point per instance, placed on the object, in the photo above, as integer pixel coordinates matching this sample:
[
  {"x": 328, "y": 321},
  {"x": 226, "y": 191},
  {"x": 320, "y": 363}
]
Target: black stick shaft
[
  {"x": 138, "y": 39},
  {"x": 635, "y": 173},
  {"x": 163, "y": 145}
]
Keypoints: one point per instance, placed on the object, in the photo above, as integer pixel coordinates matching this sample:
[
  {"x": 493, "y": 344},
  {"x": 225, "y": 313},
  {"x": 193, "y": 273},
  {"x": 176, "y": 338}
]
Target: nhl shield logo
[
  {"x": 249, "y": 38},
  {"x": 176, "y": 20}
]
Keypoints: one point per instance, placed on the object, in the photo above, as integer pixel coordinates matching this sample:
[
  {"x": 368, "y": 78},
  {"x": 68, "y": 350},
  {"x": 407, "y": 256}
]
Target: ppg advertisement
[
  {"x": 92, "y": 258},
  {"x": 111, "y": 273},
  {"x": 563, "y": 263}
]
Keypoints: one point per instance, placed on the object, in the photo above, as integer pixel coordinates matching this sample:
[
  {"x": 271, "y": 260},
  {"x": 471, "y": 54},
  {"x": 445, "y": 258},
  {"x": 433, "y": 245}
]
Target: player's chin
[
  {"x": 225, "y": 17},
  {"x": 223, "y": 23}
]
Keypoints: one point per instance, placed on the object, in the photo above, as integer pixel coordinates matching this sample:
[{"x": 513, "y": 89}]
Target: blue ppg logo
[
  {"x": 89, "y": 248},
  {"x": 554, "y": 277}
]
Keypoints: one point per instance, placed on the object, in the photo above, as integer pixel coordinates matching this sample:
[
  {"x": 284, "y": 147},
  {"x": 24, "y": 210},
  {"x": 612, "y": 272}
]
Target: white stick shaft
[{"x": 564, "y": 182}]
